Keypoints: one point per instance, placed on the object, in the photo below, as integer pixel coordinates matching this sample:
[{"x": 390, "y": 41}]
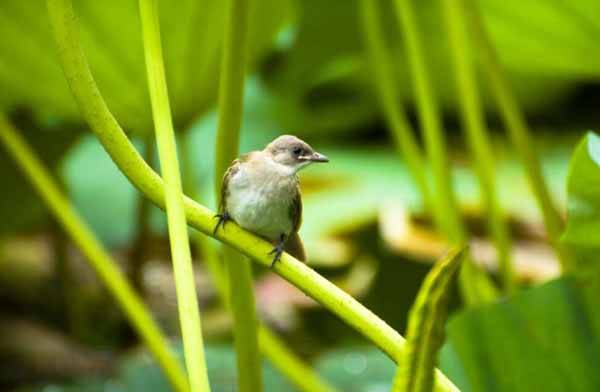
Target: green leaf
[
  {"x": 324, "y": 84},
  {"x": 357, "y": 369},
  {"x": 30, "y": 74},
  {"x": 544, "y": 339},
  {"x": 583, "y": 193},
  {"x": 426, "y": 321},
  {"x": 138, "y": 374}
]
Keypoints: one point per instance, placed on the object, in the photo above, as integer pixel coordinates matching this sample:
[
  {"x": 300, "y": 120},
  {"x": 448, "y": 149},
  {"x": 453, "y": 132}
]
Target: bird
[{"x": 260, "y": 192}]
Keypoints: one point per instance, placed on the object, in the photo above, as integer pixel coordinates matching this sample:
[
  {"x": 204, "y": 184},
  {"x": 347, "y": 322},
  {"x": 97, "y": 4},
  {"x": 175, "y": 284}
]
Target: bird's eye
[{"x": 297, "y": 151}]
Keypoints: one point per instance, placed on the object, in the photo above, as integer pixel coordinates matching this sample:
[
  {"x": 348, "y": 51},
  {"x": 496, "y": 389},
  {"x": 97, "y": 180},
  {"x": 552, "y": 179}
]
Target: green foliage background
[{"x": 308, "y": 76}]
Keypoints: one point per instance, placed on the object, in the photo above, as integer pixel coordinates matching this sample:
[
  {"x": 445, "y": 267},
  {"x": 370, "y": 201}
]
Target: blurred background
[{"x": 365, "y": 225}]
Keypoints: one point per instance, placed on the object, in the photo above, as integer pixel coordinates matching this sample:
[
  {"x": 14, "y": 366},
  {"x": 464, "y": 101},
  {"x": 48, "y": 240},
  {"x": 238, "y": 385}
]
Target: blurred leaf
[
  {"x": 139, "y": 374},
  {"x": 324, "y": 85},
  {"x": 357, "y": 370},
  {"x": 361, "y": 182},
  {"x": 583, "y": 188},
  {"x": 543, "y": 339},
  {"x": 408, "y": 234},
  {"x": 30, "y": 74},
  {"x": 101, "y": 194},
  {"x": 426, "y": 321},
  {"x": 32, "y": 351}
]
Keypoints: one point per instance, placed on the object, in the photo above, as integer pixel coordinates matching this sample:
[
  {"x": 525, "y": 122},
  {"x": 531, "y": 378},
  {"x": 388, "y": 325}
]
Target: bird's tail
[{"x": 294, "y": 246}]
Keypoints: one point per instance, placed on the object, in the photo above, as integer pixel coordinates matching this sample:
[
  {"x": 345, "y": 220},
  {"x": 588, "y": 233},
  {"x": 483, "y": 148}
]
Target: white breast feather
[{"x": 260, "y": 198}]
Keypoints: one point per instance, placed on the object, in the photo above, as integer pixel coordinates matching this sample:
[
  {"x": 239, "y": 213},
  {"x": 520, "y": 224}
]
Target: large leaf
[
  {"x": 324, "y": 84},
  {"x": 30, "y": 74},
  {"x": 544, "y": 339},
  {"x": 357, "y": 369},
  {"x": 583, "y": 189}
]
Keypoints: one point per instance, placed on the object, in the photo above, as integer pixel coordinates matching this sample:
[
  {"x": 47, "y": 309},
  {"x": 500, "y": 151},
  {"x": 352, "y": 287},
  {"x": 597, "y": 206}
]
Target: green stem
[
  {"x": 474, "y": 283},
  {"x": 138, "y": 253},
  {"x": 479, "y": 143},
  {"x": 132, "y": 165},
  {"x": 241, "y": 294},
  {"x": 446, "y": 213},
  {"x": 385, "y": 82},
  {"x": 426, "y": 322},
  {"x": 231, "y": 87},
  {"x": 519, "y": 133},
  {"x": 102, "y": 263},
  {"x": 245, "y": 321},
  {"x": 189, "y": 314}
]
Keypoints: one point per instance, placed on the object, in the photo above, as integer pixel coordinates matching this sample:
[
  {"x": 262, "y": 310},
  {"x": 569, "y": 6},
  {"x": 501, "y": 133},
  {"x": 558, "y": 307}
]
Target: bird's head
[{"x": 292, "y": 152}]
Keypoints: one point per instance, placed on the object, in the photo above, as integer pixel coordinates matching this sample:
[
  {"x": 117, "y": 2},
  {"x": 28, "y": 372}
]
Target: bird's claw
[
  {"x": 223, "y": 218},
  {"x": 278, "y": 251}
]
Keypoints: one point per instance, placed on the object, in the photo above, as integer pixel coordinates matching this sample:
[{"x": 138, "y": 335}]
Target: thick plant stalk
[
  {"x": 187, "y": 300},
  {"x": 239, "y": 271},
  {"x": 99, "y": 259},
  {"x": 515, "y": 123},
  {"x": 132, "y": 165},
  {"x": 476, "y": 133},
  {"x": 383, "y": 75},
  {"x": 426, "y": 322}
]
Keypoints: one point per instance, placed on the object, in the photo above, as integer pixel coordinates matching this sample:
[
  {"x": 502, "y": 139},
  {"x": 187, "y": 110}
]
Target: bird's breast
[{"x": 262, "y": 202}]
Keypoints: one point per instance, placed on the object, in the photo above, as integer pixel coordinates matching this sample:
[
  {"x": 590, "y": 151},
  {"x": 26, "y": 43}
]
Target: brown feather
[
  {"x": 296, "y": 209},
  {"x": 294, "y": 246}
]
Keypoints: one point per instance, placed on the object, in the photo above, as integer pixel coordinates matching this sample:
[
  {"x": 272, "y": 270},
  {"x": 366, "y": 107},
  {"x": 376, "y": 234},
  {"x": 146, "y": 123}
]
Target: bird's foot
[
  {"x": 223, "y": 218},
  {"x": 278, "y": 250}
]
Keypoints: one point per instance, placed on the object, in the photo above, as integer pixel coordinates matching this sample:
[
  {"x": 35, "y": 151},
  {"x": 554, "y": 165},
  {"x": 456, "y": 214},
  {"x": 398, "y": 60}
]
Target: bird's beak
[{"x": 316, "y": 157}]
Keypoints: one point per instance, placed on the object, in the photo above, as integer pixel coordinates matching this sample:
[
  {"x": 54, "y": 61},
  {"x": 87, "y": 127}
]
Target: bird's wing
[
  {"x": 293, "y": 244},
  {"x": 230, "y": 172},
  {"x": 296, "y": 209}
]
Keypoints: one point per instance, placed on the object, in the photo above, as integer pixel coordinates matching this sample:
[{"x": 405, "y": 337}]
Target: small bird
[{"x": 261, "y": 193}]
